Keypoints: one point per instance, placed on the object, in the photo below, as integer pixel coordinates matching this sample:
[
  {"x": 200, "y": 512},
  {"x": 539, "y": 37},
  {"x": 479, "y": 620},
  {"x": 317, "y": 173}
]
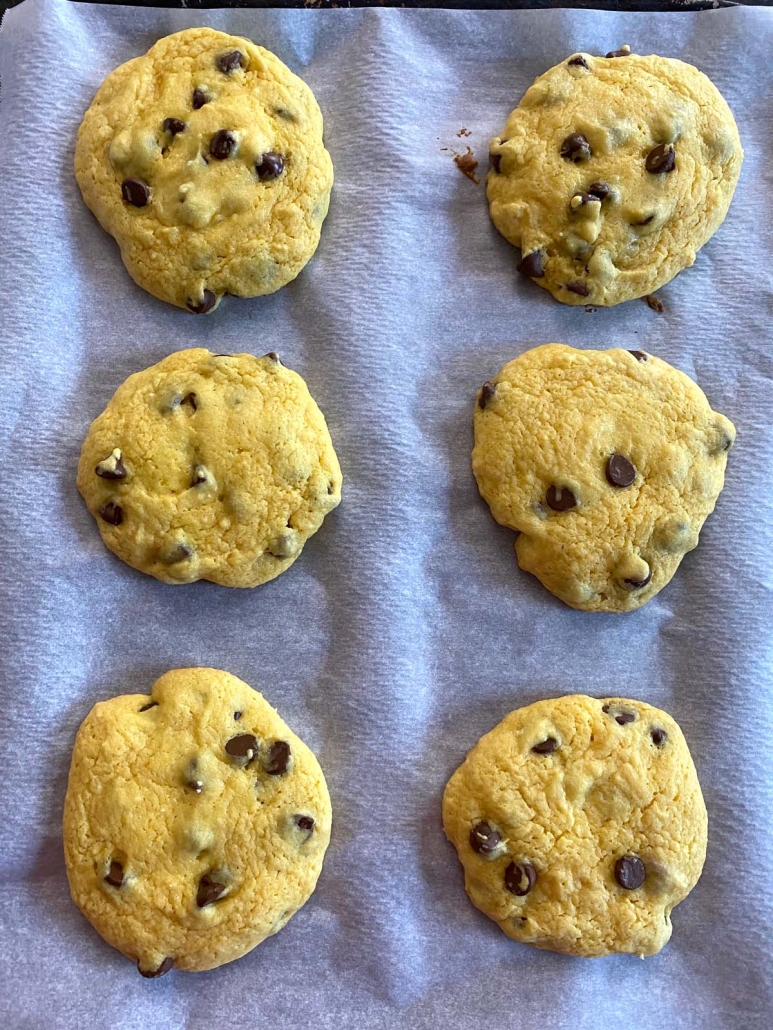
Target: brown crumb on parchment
[
  {"x": 467, "y": 163},
  {"x": 655, "y": 303},
  {"x": 464, "y": 131}
]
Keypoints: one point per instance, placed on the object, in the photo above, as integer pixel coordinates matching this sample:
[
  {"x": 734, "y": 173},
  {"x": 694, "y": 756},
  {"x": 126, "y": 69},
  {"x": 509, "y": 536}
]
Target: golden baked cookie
[
  {"x": 204, "y": 159},
  {"x": 210, "y": 466},
  {"x": 612, "y": 173},
  {"x": 580, "y": 824},
  {"x": 195, "y": 821},
  {"x": 606, "y": 462}
]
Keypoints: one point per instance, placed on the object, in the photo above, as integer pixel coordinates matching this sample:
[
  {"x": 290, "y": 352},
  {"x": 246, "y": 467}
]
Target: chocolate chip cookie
[
  {"x": 580, "y": 824},
  {"x": 210, "y": 466},
  {"x": 195, "y": 821},
  {"x": 612, "y": 173},
  {"x": 607, "y": 463},
  {"x": 204, "y": 159}
]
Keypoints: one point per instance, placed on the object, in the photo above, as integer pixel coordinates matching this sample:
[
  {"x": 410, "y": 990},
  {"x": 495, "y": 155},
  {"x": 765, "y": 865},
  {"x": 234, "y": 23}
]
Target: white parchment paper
[{"x": 406, "y": 629}]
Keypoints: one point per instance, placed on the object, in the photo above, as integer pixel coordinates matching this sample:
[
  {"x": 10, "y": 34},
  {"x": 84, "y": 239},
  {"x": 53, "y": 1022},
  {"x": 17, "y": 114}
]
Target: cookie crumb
[
  {"x": 464, "y": 131},
  {"x": 655, "y": 303},
  {"x": 467, "y": 163}
]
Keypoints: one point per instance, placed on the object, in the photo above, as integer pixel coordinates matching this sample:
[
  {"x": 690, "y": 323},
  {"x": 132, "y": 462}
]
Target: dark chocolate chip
[
  {"x": 532, "y": 265},
  {"x": 196, "y": 785},
  {"x": 578, "y": 60},
  {"x": 644, "y": 221},
  {"x": 637, "y": 584},
  {"x": 199, "y": 475},
  {"x": 487, "y": 392},
  {"x": 278, "y": 758},
  {"x": 243, "y": 746},
  {"x": 582, "y": 199},
  {"x": 659, "y": 737},
  {"x": 206, "y": 303},
  {"x": 150, "y": 704},
  {"x": 484, "y": 839},
  {"x": 237, "y": 716},
  {"x": 620, "y": 471},
  {"x": 575, "y": 286},
  {"x": 110, "y": 468},
  {"x": 622, "y": 718},
  {"x": 174, "y": 125},
  {"x": 576, "y": 148},
  {"x": 630, "y": 872},
  {"x": 230, "y": 61},
  {"x": 273, "y": 356},
  {"x": 618, "y": 53},
  {"x": 599, "y": 190},
  {"x": 209, "y": 890},
  {"x": 182, "y": 552},
  {"x": 269, "y": 165},
  {"x": 638, "y": 354},
  {"x": 661, "y": 159},
  {"x": 655, "y": 303},
  {"x": 200, "y": 98},
  {"x": 135, "y": 192},
  {"x": 112, "y": 513},
  {"x": 560, "y": 498},
  {"x": 495, "y": 160},
  {"x": 222, "y": 144},
  {"x": 546, "y": 746},
  {"x": 520, "y": 878},
  {"x": 306, "y": 824},
  {"x": 115, "y": 875},
  {"x": 190, "y": 399},
  {"x": 165, "y": 966}
]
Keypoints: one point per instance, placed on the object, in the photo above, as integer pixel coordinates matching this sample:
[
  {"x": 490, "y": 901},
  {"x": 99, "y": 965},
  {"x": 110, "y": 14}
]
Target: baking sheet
[{"x": 406, "y": 629}]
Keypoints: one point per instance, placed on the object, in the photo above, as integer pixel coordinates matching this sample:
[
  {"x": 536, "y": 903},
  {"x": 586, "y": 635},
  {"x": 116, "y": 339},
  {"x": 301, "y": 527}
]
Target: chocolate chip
[
  {"x": 237, "y": 716},
  {"x": 196, "y": 785},
  {"x": 599, "y": 190},
  {"x": 630, "y": 872},
  {"x": 206, "y": 303},
  {"x": 484, "y": 839},
  {"x": 487, "y": 392},
  {"x": 112, "y": 513},
  {"x": 575, "y": 286},
  {"x": 199, "y": 475},
  {"x": 659, "y": 737},
  {"x": 209, "y": 891},
  {"x": 661, "y": 159},
  {"x": 495, "y": 160},
  {"x": 269, "y": 166},
  {"x": 620, "y": 471},
  {"x": 174, "y": 125},
  {"x": 532, "y": 265},
  {"x": 135, "y": 192},
  {"x": 622, "y": 718},
  {"x": 229, "y": 62},
  {"x": 182, "y": 552},
  {"x": 520, "y": 878},
  {"x": 278, "y": 758},
  {"x": 190, "y": 399},
  {"x": 546, "y": 747},
  {"x": 580, "y": 200},
  {"x": 222, "y": 144},
  {"x": 576, "y": 148},
  {"x": 637, "y": 584},
  {"x": 638, "y": 354},
  {"x": 560, "y": 498},
  {"x": 655, "y": 303},
  {"x": 623, "y": 52},
  {"x": 578, "y": 60},
  {"x": 112, "y": 467},
  {"x": 305, "y": 824},
  {"x": 150, "y": 704},
  {"x": 273, "y": 356},
  {"x": 243, "y": 746},
  {"x": 115, "y": 875},
  {"x": 200, "y": 98},
  {"x": 644, "y": 221},
  {"x": 165, "y": 966}
]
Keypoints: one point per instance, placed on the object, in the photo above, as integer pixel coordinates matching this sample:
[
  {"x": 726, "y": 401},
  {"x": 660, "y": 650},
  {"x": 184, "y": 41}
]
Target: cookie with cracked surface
[
  {"x": 210, "y": 466},
  {"x": 612, "y": 173},
  {"x": 606, "y": 462},
  {"x": 204, "y": 159},
  {"x": 580, "y": 824},
  {"x": 195, "y": 822}
]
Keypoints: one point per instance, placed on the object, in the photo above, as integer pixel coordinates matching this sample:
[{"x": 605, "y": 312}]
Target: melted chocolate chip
[
  {"x": 620, "y": 471},
  {"x": 135, "y": 192},
  {"x": 151, "y": 974},
  {"x": 659, "y": 737},
  {"x": 655, "y": 303},
  {"x": 520, "y": 878},
  {"x": 269, "y": 166},
  {"x": 273, "y": 356},
  {"x": 200, "y": 98},
  {"x": 579, "y": 200},
  {"x": 578, "y": 60},
  {"x": 115, "y": 875},
  {"x": 182, "y": 552},
  {"x": 150, "y": 704},
  {"x": 622, "y": 718},
  {"x": 532, "y": 265},
  {"x": 199, "y": 475},
  {"x": 487, "y": 392},
  {"x": 207, "y": 302},
  {"x": 237, "y": 716},
  {"x": 560, "y": 498},
  {"x": 638, "y": 354},
  {"x": 278, "y": 758},
  {"x": 576, "y": 148},
  {"x": 637, "y": 584},
  {"x": 546, "y": 746},
  {"x": 575, "y": 286},
  {"x": 190, "y": 400},
  {"x": 630, "y": 872},
  {"x": 619, "y": 53},
  {"x": 305, "y": 824},
  {"x": 495, "y": 160},
  {"x": 599, "y": 190},
  {"x": 174, "y": 125},
  {"x": 222, "y": 144},
  {"x": 230, "y": 61},
  {"x": 644, "y": 221},
  {"x": 484, "y": 839},
  {"x": 243, "y": 746},
  {"x": 661, "y": 159},
  {"x": 209, "y": 890},
  {"x": 111, "y": 467},
  {"x": 196, "y": 785},
  {"x": 112, "y": 513}
]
